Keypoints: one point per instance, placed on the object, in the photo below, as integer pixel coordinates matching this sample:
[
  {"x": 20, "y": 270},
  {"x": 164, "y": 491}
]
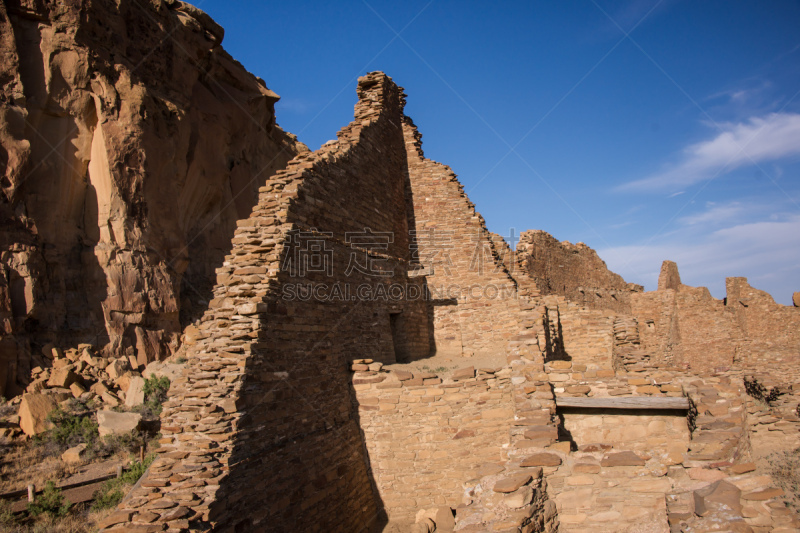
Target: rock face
[{"x": 127, "y": 159}]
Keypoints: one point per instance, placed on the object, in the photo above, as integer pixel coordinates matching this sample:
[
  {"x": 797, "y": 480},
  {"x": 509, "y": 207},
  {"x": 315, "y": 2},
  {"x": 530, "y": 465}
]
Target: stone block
[
  {"x": 622, "y": 459},
  {"x": 512, "y": 483},
  {"x": 113, "y": 423},
  {"x": 33, "y": 411},
  {"x": 62, "y": 378},
  {"x": 464, "y": 373},
  {"x": 541, "y": 459},
  {"x": 717, "y": 495},
  {"x": 135, "y": 394}
]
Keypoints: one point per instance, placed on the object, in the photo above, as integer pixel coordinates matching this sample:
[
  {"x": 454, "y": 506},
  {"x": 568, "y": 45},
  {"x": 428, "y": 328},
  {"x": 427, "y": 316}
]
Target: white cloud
[
  {"x": 767, "y": 252},
  {"x": 769, "y": 138},
  {"x": 714, "y": 214}
]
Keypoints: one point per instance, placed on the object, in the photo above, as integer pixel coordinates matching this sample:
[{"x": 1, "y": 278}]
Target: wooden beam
[{"x": 624, "y": 402}]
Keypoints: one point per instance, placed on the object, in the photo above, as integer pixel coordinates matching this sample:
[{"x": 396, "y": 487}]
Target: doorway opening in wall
[{"x": 396, "y": 323}]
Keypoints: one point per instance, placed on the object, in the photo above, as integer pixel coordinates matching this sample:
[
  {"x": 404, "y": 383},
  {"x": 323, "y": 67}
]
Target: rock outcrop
[{"x": 130, "y": 144}]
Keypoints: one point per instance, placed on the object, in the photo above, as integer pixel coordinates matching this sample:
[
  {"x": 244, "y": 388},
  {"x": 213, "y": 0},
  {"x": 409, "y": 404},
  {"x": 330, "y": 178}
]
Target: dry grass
[
  {"x": 72, "y": 523},
  {"x": 784, "y": 467},
  {"x": 23, "y": 463}
]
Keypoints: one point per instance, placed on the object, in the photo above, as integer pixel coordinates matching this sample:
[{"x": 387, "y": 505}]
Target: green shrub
[
  {"x": 6, "y": 516},
  {"x": 71, "y": 430},
  {"x": 155, "y": 393},
  {"x": 111, "y": 493},
  {"x": 108, "y": 496},
  {"x": 50, "y": 502}
]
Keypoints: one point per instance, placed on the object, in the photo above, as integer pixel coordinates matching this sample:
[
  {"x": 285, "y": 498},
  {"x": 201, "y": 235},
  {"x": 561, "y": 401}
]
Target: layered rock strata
[{"x": 131, "y": 143}]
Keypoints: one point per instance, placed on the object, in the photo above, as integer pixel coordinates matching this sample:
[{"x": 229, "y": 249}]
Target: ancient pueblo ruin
[{"x": 156, "y": 213}]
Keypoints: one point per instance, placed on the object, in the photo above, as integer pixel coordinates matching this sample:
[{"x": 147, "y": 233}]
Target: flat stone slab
[
  {"x": 512, "y": 483},
  {"x": 622, "y": 459},
  {"x": 541, "y": 459},
  {"x": 489, "y": 469}
]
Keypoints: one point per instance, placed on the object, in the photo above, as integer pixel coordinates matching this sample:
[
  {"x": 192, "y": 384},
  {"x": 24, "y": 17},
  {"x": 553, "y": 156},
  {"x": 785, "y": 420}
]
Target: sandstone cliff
[{"x": 127, "y": 158}]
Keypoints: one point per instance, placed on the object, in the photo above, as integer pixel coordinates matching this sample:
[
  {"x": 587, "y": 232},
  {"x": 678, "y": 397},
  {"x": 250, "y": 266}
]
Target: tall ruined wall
[
  {"x": 261, "y": 433},
  {"x": 686, "y": 326},
  {"x": 474, "y": 299},
  {"x": 574, "y": 271},
  {"x": 131, "y": 142}
]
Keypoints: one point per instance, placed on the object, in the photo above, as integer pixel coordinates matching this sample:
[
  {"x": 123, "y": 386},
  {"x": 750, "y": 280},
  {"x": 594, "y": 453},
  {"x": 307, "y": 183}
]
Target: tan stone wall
[
  {"x": 579, "y": 334},
  {"x": 571, "y": 270},
  {"x": 652, "y": 434},
  {"x": 425, "y": 441},
  {"x": 264, "y": 413},
  {"x": 474, "y": 306}
]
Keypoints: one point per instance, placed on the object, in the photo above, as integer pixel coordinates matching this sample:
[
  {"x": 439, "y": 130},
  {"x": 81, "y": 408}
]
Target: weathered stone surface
[
  {"x": 119, "y": 231},
  {"x": 135, "y": 394},
  {"x": 33, "y": 411},
  {"x": 114, "y": 423},
  {"x": 622, "y": 459},
  {"x": 74, "y": 454},
  {"x": 720, "y": 494},
  {"x": 541, "y": 459},
  {"x": 511, "y": 483}
]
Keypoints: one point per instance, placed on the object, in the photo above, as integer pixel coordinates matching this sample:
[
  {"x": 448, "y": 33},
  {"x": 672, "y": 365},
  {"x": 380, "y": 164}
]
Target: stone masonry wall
[
  {"x": 686, "y": 326},
  {"x": 260, "y": 433},
  {"x": 474, "y": 303},
  {"x": 425, "y": 439},
  {"x": 574, "y": 271}
]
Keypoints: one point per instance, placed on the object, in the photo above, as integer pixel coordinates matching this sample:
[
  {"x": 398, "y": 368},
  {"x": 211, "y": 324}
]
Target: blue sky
[{"x": 648, "y": 130}]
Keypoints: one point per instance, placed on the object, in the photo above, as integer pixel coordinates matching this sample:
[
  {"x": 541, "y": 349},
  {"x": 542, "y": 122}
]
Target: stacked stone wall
[
  {"x": 260, "y": 433},
  {"x": 574, "y": 271},
  {"x": 474, "y": 305},
  {"x": 425, "y": 439}
]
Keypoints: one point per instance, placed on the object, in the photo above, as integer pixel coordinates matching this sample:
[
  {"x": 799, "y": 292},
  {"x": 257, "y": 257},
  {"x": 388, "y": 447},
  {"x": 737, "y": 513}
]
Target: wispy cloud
[
  {"x": 714, "y": 214},
  {"x": 768, "y": 138}
]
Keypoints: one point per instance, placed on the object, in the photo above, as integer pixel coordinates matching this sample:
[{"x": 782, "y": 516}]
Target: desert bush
[
  {"x": 155, "y": 393},
  {"x": 112, "y": 491},
  {"x": 70, "y": 430},
  {"x": 50, "y": 502}
]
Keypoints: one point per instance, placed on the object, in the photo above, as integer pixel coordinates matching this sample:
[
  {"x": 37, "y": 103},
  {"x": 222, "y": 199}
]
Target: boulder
[
  {"x": 33, "y": 411},
  {"x": 135, "y": 394},
  {"x": 77, "y": 389},
  {"x": 796, "y": 299},
  {"x": 74, "y": 454},
  {"x": 116, "y": 368},
  {"x": 63, "y": 378},
  {"x": 113, "y": 423}
]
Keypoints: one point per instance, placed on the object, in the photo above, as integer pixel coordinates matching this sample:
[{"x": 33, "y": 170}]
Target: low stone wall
[
  {"x": 659, "y": 435},
  {"x": 426, "y": 438}
]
